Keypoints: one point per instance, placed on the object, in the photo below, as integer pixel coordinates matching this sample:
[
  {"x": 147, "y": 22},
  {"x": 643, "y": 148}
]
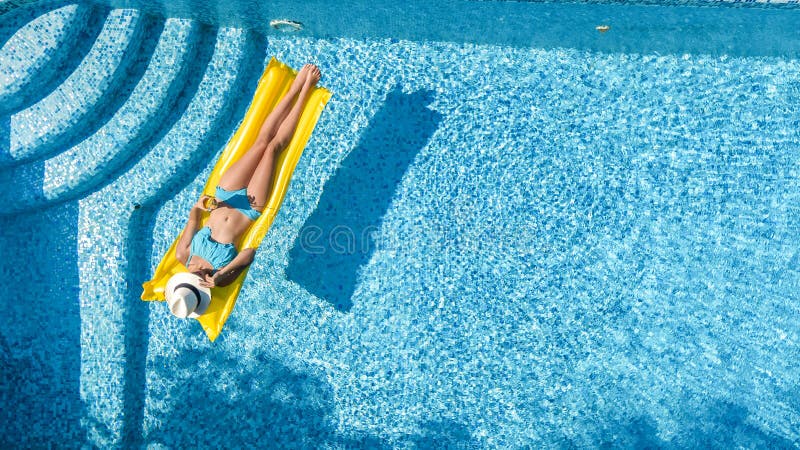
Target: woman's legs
[
  {"x": 261, "y": 180},
  {"x": 238, "y": 175}
]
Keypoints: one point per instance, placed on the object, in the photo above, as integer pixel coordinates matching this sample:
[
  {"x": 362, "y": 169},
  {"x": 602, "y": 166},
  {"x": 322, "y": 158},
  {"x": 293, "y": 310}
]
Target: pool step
[
  {"x": 7, "y": 6},
  {"x": 14, "y": 14},
  {"x": 192, "y": 143},
  {"x": 105, "y": 217},
  {"x": 41, "y": 54},
  {"x": 81, "y": 101},
  {"x": 101, "y": 157},
  {"x": 204, "y": 127},
  {"x": 28, "y": 51},
  {"x": 161, "y": 137},
  {"x": 98, "y": 158}
]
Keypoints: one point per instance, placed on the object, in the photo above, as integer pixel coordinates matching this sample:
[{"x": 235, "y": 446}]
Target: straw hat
[{"x": 186, "y": 297}]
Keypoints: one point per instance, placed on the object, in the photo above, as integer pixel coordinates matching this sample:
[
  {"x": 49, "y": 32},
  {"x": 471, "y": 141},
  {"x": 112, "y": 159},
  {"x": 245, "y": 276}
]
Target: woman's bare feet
[
  {"x": 313, "y": 75},
  {"x": 300, "y": 79}
]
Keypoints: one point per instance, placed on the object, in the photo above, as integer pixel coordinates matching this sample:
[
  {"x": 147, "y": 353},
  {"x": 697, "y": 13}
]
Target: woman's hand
[
  {"x": 209, "y": 280},
  {"x": 204, "y": 204}
]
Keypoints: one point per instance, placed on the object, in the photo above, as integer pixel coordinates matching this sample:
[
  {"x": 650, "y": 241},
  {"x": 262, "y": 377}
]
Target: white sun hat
[{"x": 186, "y": 297}]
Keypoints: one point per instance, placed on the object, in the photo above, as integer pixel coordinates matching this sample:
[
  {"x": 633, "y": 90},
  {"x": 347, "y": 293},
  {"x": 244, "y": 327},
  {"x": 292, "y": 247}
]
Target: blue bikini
[
  {"x": 238, "y": 200},
  {"x": 217, "y": 253}
]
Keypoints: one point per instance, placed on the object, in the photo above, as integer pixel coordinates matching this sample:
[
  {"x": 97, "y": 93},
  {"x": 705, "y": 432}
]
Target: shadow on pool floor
[
  {"x": 141, "y": 229},
  {"x": 212, "y": 400},
  {"x": 40, "y": 329},
  {"x": 335, "y": 242},
  {"x": 717, "y": 424}
]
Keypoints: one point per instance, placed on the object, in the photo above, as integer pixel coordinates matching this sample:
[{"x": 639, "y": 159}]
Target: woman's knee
[
  {"x": 259, "y": 145},
  {"x": 275, "y": 146}
]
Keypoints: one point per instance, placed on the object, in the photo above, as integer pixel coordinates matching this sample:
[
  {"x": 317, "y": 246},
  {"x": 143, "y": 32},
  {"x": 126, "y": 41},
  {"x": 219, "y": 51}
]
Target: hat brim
[
  {"x": 193, "y": 280},
  {"x": 202, "y": 307}
]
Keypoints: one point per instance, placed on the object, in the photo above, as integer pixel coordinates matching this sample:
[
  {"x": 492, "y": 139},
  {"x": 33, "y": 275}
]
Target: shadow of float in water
[{"x": 336, "y": 240}]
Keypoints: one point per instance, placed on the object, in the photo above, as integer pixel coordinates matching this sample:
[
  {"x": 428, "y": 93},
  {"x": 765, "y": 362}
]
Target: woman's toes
[
  {"x": 302, "y": 77},
  {"x": 314, "y": 74}
]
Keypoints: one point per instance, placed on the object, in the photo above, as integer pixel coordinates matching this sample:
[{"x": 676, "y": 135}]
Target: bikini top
[{"x": 216, "y": 253}]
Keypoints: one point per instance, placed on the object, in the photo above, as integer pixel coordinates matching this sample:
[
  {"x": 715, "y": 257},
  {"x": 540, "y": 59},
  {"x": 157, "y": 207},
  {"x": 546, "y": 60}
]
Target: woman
[{"x": 241, "y": 195}]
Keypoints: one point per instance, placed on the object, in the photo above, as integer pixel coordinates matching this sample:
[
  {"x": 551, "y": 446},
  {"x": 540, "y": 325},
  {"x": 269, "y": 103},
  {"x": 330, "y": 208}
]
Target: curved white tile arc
[
  {"x": 74, "y": 99},
  {"x": 35, "y": 45},
  {"x": 103, "y": 224}
]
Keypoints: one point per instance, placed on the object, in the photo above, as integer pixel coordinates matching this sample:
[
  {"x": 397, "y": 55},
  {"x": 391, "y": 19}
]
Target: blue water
[{"x": 485, "y": 244}]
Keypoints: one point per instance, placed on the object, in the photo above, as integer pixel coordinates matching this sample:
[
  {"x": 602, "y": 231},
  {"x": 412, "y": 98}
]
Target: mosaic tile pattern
[
  {"x": 38, "y": 47},
  {"x": 35, "y": 130},
  {"x": 522, "y": 247},
  {"x": 41, "y": 405},
  {"x": 633, "y": 27},
  {"x": 16, "y": 13},
  {"x": 716, "y": 3},
  {"x": 8, "y": 5},
  {"x": 105, "y": 215},
  {"x": 96, "y": 158},
  {"x": 565, "y": 252},
  {"x": 124, "y": 136},
  {"x": 707, "y": 3}
]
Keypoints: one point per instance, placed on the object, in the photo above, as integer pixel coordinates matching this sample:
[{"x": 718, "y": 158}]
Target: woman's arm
[
  {"x": 225, "y": 275},
  {"x": 192, "y": 225}
]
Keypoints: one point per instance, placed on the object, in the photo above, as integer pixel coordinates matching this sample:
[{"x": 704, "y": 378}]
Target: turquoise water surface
[{"x": 488, "y": 243}]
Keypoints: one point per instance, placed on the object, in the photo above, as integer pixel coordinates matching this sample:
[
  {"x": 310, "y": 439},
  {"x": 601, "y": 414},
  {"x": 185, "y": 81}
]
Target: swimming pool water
[{"x": 532, "y": 247}]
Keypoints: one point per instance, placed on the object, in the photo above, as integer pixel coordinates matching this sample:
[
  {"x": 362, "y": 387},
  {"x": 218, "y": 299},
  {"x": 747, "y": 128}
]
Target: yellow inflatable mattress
[{"x": 274, "y": 83}]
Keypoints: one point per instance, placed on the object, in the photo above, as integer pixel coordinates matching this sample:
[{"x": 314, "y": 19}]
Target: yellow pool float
[{"x": 274, "y": 83}]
